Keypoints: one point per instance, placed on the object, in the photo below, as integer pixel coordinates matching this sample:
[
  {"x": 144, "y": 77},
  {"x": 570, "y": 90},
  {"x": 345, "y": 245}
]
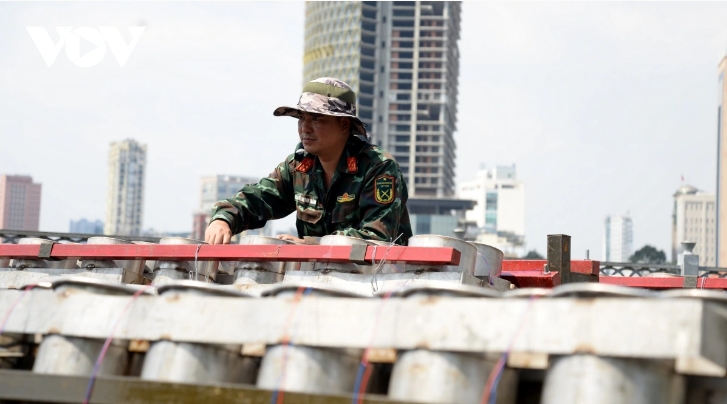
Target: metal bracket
[
  {"x": 45, "y": 250},
  {"x": 690, "y": 282},
  {"x": 358, "y": 255}
]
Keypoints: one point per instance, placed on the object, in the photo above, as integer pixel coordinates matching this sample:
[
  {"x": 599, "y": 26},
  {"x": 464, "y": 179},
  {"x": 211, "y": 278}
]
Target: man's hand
[
  {"x": 290, "y": 237},
  {"x": 218, "y": 232}
]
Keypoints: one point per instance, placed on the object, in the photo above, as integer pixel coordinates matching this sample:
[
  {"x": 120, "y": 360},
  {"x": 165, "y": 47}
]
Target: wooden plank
[{"x": 28, "y": 386}]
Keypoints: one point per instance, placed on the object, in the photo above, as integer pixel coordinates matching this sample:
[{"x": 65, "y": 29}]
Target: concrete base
[
  {"x": 424, "y": 376},
  {"x": 592, "y": 379},
  {"x": 11, "y": 278},
  {"x": 361, "y": 284}
]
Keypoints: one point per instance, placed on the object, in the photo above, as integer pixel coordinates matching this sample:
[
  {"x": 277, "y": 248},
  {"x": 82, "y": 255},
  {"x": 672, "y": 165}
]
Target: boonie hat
[{"x": 326, "y": 96}]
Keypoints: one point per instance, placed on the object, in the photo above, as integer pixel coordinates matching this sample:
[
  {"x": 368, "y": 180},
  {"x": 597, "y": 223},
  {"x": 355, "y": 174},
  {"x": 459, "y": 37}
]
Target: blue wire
[
  {"x": 357, "y": 384},
  {"x": 274, "y": 397},
  {"x": 493, "y": 394}
]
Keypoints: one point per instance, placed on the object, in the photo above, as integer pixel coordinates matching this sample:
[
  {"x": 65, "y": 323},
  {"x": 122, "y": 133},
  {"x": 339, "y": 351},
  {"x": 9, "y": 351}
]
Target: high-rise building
[
  {"x": 19, "y": 203},
  {"x": 86, "y": 226},
  {"x": 618, "y": 240},
  {"x": 215, "y": 188},
  {"x": 125, "y": 193},
  {"x": 402, "y": 60},
  {"x": 694, "y": 219},
  {"x": 722, "y": 165}
]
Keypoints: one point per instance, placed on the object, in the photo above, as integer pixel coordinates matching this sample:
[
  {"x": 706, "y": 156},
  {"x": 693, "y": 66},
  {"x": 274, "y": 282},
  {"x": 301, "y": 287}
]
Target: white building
[
  {"x": 499, "y": 212},
  {"x": 125, "y": 194},
  {"x": 618, "y": 240},
  {"x": 694, "y": 219},
  {"x": 500, "y": 200},
  {"x": 215, "y": 188}
]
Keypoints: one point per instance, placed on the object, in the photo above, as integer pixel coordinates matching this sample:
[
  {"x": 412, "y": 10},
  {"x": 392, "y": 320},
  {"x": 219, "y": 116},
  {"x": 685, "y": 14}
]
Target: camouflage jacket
[{"x": 367, "y": 196}]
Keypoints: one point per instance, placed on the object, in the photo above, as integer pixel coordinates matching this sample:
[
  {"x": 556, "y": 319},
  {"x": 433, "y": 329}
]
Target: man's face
[{"x": 323, "y": 134}]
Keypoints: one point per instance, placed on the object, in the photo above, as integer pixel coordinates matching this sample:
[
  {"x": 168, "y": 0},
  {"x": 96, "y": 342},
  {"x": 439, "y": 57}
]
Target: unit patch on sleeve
[
  {"x": 346, "y": 197},
  {"x": 384, "y": 189}
]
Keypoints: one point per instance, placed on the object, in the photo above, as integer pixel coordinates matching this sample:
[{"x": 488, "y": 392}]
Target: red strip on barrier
[
  {"x": 670, "y": 282},
  {"x": 587, "y": 267},
  {"x": 186, "y": 252},
  {"x": 532, "y": 279}
]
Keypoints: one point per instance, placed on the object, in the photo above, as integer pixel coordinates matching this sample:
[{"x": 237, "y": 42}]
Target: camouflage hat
[{"x": 326, "y": 96}]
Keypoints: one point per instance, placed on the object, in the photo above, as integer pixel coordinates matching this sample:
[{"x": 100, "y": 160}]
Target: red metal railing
[{"x": 187, "y": 252}]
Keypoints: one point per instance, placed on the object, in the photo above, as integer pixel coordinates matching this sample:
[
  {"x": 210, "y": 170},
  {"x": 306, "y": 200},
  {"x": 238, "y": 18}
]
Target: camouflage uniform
[{"x": 367, "y": 195}]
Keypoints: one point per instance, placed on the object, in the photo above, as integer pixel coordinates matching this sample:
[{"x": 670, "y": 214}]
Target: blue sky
[{"x": 602, "y": 106}]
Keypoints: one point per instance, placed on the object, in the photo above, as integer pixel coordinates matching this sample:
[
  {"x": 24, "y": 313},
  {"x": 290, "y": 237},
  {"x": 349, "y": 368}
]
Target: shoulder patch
[
  {"x": 384, "y": 189},
  {"x": 305, "y": 165},
  {"x": 352, "y": 164}
]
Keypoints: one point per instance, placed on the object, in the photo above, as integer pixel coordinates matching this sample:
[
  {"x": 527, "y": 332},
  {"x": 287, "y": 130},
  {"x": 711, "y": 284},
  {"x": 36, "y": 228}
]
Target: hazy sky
[{"x": 602, "y": 106}]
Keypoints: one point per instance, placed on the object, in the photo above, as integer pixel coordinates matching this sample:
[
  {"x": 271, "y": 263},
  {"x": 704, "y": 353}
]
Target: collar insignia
[
  {"x": 352, "y": 164},
  {"x": 345, "y": 198},
  {"x": 305, "y": 165}
]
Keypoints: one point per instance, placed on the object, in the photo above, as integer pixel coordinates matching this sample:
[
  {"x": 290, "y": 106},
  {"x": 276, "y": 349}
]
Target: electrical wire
[
  {"x": 279, "y": 393},
  {"x": 15, "y": 303},
  {"x": 489, "y": 395},
  {"x": 106, "y": 344},
  {"x": 364, "y": 370}
]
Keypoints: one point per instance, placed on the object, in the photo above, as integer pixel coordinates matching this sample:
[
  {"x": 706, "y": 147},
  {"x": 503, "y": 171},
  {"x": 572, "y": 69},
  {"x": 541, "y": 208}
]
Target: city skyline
[{"x": 575, "y": 94}]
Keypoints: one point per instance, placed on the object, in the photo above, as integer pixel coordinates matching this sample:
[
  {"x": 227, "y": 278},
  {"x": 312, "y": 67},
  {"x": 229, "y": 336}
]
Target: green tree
[
  {"x": 533, "y": 255},
  {"x": 648, "y": 255}
]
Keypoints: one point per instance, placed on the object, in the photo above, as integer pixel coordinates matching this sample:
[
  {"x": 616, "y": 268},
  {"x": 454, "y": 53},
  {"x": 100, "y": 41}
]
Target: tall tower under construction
[{"x": 402, "y": 60}]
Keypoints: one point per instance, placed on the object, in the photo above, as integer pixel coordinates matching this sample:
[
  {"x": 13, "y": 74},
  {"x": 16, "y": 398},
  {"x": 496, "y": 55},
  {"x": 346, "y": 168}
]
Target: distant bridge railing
[
  {"x": 13, "y": 236},
  {"x": 633, "y": 269}
]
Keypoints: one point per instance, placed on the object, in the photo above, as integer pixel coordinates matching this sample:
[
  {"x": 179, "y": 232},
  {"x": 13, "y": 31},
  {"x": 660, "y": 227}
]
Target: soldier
[{"x": 336, "y": 181}]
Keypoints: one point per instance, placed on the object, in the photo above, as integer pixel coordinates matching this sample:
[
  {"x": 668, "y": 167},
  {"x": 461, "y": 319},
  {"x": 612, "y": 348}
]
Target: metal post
[
  {"x": 345, "y": 240},
  {"x": 559, "y": 256},
  {"x": 592, "y": 379},
  {"x": 690, "y": 264},
  {"x": 488, "y": 262},
  {"x": 168, "y": 271},
  {"x": 308, "y": 369},
  {"x": 446, "y": 377},
  {"x": 197, "y": 363},
  {"x": 41, "y": 263},
  {"x": 428, "y": 376},
  {"x": 467, "y": 259},
  {"x": 260, "y": 273},
  {"x": 132, "y": 270},
  {"x": 59, "y": 354}
]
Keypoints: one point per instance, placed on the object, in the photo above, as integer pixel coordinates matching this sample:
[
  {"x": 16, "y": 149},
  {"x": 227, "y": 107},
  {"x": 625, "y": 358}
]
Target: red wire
[
  {"x": 286, "y": 340},
  {"x": 365, "y": 356},
  {"x": 106, "y": 344},
  {"x": 500, "y": 364},
  {"x": 15, "y": 303}
]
